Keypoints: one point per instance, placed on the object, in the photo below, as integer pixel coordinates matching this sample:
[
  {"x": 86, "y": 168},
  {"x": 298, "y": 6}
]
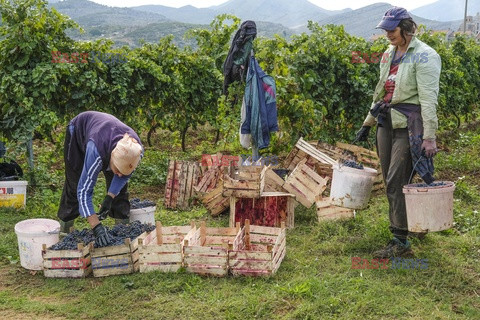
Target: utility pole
[{"x": 465, "y": 18}]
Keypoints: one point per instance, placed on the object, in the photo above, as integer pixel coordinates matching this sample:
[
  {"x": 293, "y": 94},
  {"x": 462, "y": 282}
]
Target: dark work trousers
[
  {"x": 394, "y": 152},
  {"x": 68, "y": 209}
]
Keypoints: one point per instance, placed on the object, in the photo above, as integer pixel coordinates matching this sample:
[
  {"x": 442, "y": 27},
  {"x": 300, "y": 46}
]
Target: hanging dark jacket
[{"x": 236, "y": 64}]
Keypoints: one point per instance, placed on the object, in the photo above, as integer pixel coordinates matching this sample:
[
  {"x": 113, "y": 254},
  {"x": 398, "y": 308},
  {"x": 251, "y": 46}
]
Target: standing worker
[
  {"x": 405, "y": 110},
  {"x": 95, "y": 142}
]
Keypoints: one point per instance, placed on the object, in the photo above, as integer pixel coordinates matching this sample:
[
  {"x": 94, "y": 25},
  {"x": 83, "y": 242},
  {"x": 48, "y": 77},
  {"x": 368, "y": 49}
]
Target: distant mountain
[
  {"x": 155, "y": 31},
  {"x": 286, "y": 12},
  {"x": 362, "y": 22},
  {"x": 89, "y": 14},
  {"x": 187, "y": 14},
  {"x": 448, "y": 10},
  {"x": 129, "y": 27}
]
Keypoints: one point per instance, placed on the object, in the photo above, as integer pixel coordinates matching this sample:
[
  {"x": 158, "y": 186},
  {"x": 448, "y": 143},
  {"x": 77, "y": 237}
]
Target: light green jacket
[{"x": 417, "y": 82}]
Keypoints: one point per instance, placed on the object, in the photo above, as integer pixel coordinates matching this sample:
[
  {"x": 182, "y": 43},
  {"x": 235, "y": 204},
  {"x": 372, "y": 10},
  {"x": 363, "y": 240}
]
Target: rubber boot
[
  {"x": 65, "y": 228},
  {"x": 122, "y": 221}
]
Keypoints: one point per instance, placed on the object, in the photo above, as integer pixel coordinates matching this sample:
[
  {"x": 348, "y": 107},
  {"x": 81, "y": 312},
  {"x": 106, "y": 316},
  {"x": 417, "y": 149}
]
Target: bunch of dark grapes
[
  {"x": 72, "y": 239},
  {"x": 118, "y": 234},
  {"x": 136, "y": 203},
  {"x": 433, "y": 184},
  {"x": 353, "y": 164}
]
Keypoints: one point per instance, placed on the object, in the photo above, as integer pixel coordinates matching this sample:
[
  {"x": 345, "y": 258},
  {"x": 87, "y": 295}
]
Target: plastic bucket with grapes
[
  {"x": 429, "y": 207},
  {"x": 351, "y": 187}
]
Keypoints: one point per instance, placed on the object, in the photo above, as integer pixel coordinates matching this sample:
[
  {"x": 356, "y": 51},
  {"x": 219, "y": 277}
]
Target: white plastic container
[
  {"x": 429, "y": 209},
  {"x": 351, "y": 187},
  {"x": 144, "y": 215},
  {"x": 31, "y": 235},
  {"x": 13, "y": 193}
]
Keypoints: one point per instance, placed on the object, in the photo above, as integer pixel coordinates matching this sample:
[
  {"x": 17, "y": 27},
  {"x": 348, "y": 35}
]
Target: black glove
[
  {"x": 362, "y": 134},
  {"x": 102, "y": 238},
  {"x": 105, "y": 207}
]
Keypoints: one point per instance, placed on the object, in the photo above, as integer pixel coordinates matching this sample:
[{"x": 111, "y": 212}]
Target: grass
[{"x": 315, "y": 281}]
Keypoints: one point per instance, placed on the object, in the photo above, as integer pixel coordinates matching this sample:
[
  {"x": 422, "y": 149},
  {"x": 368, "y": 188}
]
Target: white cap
[{"x": 126, "y": 155}]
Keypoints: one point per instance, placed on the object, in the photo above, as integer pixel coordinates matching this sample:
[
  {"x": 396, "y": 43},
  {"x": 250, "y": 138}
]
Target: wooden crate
[
  {"x": 304, "y": 150},
  {"x": 270, "y": 210},
  {"x": 215, "y": 202},
  {"x": 182, "y": 176},
  {"x": 244, "y": 181},
  {"x": 209, "y": 181},
  {"x": 67, "y": 263},
  {"x": 116, "y": 260},
  {"x": 273, "y": 182},
  {"x": 162, "y": 249},
  {"x": 257, "y": 250},
  {"x": 207, "y": 252},
  {"x": 305, "y": 184},
  {"x": 327, "y": 211}
]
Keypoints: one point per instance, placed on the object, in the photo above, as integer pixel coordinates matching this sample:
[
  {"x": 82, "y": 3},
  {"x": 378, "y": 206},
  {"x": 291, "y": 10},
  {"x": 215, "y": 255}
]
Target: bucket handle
[
  {"x": 413, "y": 170},
  {"x": 54, "y": 231}
]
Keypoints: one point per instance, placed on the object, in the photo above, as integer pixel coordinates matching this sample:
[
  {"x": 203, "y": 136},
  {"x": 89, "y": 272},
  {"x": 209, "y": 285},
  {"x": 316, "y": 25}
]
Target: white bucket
[
  {"x": 351, "y": 187},
  {"x": 31, "y": 235},
  {"x": 13, "y": 193},
  {"x": 144, "y": 215},
  {"x": 429, "y": 209}
]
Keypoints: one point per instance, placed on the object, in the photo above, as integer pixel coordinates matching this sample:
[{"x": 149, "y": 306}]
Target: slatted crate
[
  {"x": 162, "y": 249},
  {"x": 257, "y": 250},
  {"x": 181, "y": 178},
  {"x": 304, "y": 150},
  {"x": 116, "y": 260},
  {"x": 270, "y": 210},
  {"x": 244, "y": 181},
  {"x": 207, "y": 252},
  {"x": 209, "y": 181},
  {"x": 327, "y": 211},
  {"x": 215, "y": 202},
  {"x": 273, "y": 182},
  {"x": 305, "y": 184},
  {"x": 67, "y": 263}
]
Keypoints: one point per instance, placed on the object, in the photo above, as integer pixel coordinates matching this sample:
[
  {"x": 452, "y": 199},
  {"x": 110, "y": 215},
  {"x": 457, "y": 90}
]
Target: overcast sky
[{"x": 325, "y": 4}]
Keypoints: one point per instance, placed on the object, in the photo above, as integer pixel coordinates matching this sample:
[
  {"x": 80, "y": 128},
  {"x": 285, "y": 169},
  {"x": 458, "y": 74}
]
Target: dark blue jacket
[{"x": 261, "y": 106}]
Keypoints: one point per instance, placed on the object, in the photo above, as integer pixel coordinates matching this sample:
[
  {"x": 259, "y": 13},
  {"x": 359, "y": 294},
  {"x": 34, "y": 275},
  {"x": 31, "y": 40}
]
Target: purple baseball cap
[{"x": 392, "y": 18}]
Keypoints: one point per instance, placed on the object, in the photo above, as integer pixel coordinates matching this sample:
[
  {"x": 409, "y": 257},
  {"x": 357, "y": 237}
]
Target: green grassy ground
[{"x": 315, "y": 280}]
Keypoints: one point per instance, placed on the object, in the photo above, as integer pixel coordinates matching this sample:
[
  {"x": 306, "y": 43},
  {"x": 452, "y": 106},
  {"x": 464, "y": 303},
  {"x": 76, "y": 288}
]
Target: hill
[
  {"x": 284, "y": 17},
  {"x": 89, "y": 14},
  {"x": 129, "y": 27},
  {"x": 362, "y": 22},
  {"x": 285, "y": 12},
  {"x": 447, "y": 10},
  {"x": 187, "y": 14}
]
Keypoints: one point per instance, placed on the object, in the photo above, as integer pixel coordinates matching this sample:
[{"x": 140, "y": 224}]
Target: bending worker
[
  {"x": 405, "y": 110},
  {"x": 95, "y": 142}
]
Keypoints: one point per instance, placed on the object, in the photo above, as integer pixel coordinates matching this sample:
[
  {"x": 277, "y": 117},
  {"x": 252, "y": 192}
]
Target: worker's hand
[
  {"x": 430, "y": 147},
  {"x": 102, "y": 238},
  {"x": 362, "y": 134},
  {"x": 105, "y": 207}
]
